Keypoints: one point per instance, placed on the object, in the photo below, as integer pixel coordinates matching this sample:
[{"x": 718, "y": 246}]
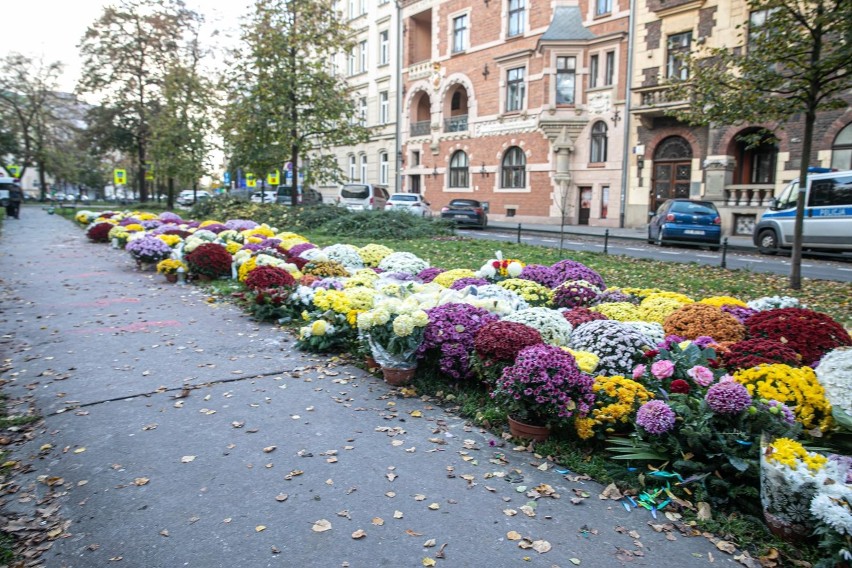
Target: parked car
[
  {"x": 363, "y": 196},
  {"x": 265, "y": 196},
  {"x": 465, "y": 212},
  {"x": 688, "y": 221},
  {"x": 827, "y": 222},
  {"x": 410, "y": 203},
  {"x": 187, "y": 197},
  {"x": 305, "y": 196}
]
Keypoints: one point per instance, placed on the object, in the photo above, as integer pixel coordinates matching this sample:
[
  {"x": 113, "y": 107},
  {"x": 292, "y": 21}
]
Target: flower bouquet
[
  {"x": 147, "y": 250},
  {"x": 499, "y": 268},
  {"x": 544, "y": 387}
]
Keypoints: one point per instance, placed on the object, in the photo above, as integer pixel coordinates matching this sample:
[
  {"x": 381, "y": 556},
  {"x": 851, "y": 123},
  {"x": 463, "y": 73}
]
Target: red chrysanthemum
[
  {"x": 269, "y": 277},
  {"x": 811, "y": 334},
  {"x": 679, "y": 386}
]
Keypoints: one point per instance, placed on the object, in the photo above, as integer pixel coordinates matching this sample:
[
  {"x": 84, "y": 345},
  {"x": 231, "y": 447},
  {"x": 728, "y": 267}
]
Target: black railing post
[
  {"x": 724, "y": 263},
  {"x": 606, "y": 241},
  {"x": 519, "y": 233}
]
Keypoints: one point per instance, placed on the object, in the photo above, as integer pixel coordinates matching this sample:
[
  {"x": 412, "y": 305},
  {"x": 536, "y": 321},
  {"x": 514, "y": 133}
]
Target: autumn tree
[
  {"x": 792, "y": 62},
  {"x": 180, "y": 128},
  {"x": 27, "y": 90},
  {"x": 285, "y": 103},
  {"x": 127, "y": 53}
]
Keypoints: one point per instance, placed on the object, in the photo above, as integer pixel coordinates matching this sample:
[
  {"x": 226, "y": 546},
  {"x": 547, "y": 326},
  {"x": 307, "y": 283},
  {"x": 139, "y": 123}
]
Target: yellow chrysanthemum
[
  {"x": 586, "y": 361},
  {"x": 134, "y": 228},
  {"x": 372, "y": 254},
  {"x": 790, "y": 453},
  {"x": 657, "y": 307},
  {"x": 621, "y": 311},
  {"x": 232, "y": 247},
  {"x": 797, "y": 387},
  {"x": 245, "y": 268},
  {"x": 171, "y": 240},
  {"x": 446, "y": 279},
  {"x": 719, "y": 301}
]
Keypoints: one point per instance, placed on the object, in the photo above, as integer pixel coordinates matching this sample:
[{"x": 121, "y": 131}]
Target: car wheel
[
  {"x": 767, "y": 242},
  {"x": 659, "y": 240},
  {"x": 650, "y": 238}
]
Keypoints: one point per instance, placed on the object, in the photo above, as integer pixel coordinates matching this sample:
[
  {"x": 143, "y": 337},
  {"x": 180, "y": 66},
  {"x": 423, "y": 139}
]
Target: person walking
[{"x": 13, "y": 207}]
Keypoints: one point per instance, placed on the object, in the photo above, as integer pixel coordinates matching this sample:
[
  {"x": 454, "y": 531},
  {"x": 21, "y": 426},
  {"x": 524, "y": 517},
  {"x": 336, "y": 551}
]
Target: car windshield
[
  {"x": 355, "y": 192},
  {"x": 463, "y": 203},
  {"x": 408, "y": 198},
  {"x": 693, "y": 208}
]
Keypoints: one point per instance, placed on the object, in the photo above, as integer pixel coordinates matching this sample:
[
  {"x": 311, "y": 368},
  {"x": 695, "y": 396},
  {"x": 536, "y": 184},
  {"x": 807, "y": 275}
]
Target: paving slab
[{"x": 179, "y": 432}]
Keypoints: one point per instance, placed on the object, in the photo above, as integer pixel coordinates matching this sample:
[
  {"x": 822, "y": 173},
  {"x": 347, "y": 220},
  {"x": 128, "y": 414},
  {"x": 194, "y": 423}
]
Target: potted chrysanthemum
[
  {"x": 394, "y": 330},
  {"x": 148, "y": 250},
  {"x": 169, "y": 268},
  {"x": 543, "y": 389}
]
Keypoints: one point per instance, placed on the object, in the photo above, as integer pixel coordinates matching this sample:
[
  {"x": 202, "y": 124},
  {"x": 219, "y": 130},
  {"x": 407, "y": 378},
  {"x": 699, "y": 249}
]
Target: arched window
[
  {"x": 599, "y": 142},
  {"x": 513, "y": 174},
  {"x": 459, "y": 170},
  {"x": 352, "y": 168},
  {"x": 841, "y": 150}
]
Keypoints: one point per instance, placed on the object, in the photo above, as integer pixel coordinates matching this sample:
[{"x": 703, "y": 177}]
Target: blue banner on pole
[{"x": 226, "y": 178}]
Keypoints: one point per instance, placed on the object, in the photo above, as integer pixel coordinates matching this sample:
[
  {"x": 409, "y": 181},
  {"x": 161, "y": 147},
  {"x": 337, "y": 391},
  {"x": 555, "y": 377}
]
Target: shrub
[
  {"x": 696, "y": 320},
  {"x": 450, "y": 334},
  {"x": 619, "y": 346},
  {"x": 99, "y": 233},
  {"x": 575, "y": 294},
  {"x": 567, "y": 270},
  {"x": 263, "y": 277},
  {"x": 750, "y": 353}
]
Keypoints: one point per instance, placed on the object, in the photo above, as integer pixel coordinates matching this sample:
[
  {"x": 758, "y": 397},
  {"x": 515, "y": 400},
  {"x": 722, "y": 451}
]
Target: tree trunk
[{"x": 171, "y": 201}]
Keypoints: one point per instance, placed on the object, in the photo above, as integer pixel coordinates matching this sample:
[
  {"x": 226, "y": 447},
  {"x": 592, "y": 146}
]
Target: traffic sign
[
  {"x": 119, "y": 177},
  {"x": 14, "y": 171},
  {"x": 149, "y": 173},
  {"x": 226, "y": 177},
  {"x": 250, "y": 181},
  {"x": 273, "y": 178}
]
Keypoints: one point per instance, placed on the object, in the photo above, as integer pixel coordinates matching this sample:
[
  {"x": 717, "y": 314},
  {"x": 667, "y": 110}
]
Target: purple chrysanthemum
[
  {"x": 615, "y": 296},
  {"x": 541, "y": 274},
  {"x": 567, "y": 269},
  {"x": 742, "y": 314},
  {"x": 240, "y": 224},
  {"x": 655, "y": 417},
  {"x": 129, "y": 221},
  {"x": 428, "y": 274},
  {"x": 400, "y": 276},
  {"x": 728, "y": 398},
  {"x": 148, "y": 249},
  {"x": 450, "y": 335},
  {"x": 463, "y": 283},
  {"x": 169, "y": 217},
  {"x": 785, "y": 411},
  {"x": 298, "y": 249}
]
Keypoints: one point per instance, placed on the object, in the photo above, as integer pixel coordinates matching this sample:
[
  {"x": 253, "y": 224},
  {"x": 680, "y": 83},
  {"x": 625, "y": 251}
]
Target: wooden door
[{"x": 585, "y": 205}]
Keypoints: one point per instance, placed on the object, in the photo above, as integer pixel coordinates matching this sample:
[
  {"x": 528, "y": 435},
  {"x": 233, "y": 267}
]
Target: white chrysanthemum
[
  {"x": 774, "y": 302},
  {"x": 403, "y": 262},
  {"x": 420, "y": 318},
  {"x": 833, "y": 510},
  {"x": 652, "y": 330},
  {"x": 380, "y": 316},
  {"x": 403, "y": 325},
  {"x": 552, "y": 326},
  {"x": 835, "y": 375},
  {"x": 312, "y": 255},
  {"x": 495, "y": 292},
  {"x": 514, "y": 269},
  {"x": 347, "y": 255},
  {"x": 266, "y": 260},
  {"x": 487, "y": 271},
  {"x": 240, "y": 256}
]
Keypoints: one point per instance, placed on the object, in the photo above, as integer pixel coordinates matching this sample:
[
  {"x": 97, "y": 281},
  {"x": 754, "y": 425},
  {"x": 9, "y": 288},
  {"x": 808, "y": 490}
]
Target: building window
[
  {"x": 599, "y": 142},
  {"x": 383, "y": 168},
  {"x": 352, "y": 168},
  {"x": 517, "y": 17},
  {"x": 841, "y": 150},
  {"x": 459, "y": 33},
  {"x": 609, "y": 68},
  {"x": 362, "y": 52},
  {"x": 515, "y": 89},
  {"x": 362, "y": 111},
  {"x": 350, "y": 63},
  {"x": 363, "y": 172},
  {"x": 351, "y": 9},
  {"x": 604, "y": 201},
  {"x": 593, "y": 71},
  {"x": 459, "y": 170},
  {"x": 384, "y": 47},
  {"x": 384, "y": 108},
  {"x": 565, "y": 80},
  {"x": 415, "y": 157},
  {"x": 514, "y": 169},
  {"x": 603, "y": 7},
  {"x": 363, "y": 6},
  {"x": 678, "y": 49}
]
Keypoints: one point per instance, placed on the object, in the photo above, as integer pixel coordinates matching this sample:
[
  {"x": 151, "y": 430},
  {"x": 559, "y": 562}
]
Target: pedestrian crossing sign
[
  {"x": 273, "y": 178},
  {"x": 250, "y": 181},
  {"x": 119, "y": 177}
]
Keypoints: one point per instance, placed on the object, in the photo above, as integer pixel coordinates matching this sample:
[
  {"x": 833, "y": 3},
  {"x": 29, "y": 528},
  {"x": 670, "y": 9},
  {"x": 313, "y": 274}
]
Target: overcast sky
[{"x": 53, "y": 28}]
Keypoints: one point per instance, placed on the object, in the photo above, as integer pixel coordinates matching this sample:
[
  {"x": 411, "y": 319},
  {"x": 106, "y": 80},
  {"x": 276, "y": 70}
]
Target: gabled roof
[{"x": 567, "y": 25}]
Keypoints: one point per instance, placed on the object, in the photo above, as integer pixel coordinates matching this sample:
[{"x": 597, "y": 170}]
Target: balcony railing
[
  {"x": 419, "y": 70},
  {"x": 749, "y": 195},
  {"x": 420, "y": 128},
  {"x": 456, "y": 123},
  {"x": 657, "y": 99}
]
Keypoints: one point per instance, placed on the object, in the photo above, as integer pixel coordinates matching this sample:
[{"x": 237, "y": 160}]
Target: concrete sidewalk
[{"x": 268, "y": 441}]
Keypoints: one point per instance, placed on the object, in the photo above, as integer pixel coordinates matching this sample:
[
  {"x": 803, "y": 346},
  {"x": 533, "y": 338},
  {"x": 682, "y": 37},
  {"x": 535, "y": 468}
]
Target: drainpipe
[
  {"x": 625, "y": 163},
  {"x": 399, "y": 95}
]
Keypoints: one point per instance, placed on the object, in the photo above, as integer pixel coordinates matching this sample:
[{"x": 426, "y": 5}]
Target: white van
[
  {"x": 363, "y": 196},
  {"x": 827, "y": 223}
]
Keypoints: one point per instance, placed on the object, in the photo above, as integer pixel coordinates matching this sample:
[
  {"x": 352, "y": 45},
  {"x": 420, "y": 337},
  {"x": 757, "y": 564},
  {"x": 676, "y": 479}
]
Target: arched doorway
[{"x": 672, "y": 171}]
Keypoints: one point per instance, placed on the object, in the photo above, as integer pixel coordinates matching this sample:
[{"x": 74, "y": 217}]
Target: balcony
[
  {"x": 749, "y": 195},
  {"x": 456, "y": 123},
  {"x": 657, "y": 101},
  {"x": 420, "y": 128},
  {"x": 420, "y": 70}
]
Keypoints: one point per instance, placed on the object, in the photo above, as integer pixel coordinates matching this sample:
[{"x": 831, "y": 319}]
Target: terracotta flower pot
[
  {"x": 171, "y": 278},
  {"x": 528, "y": 431},
  {"x": 370, "y": 363},
  {"x": 397, "y": 377}
]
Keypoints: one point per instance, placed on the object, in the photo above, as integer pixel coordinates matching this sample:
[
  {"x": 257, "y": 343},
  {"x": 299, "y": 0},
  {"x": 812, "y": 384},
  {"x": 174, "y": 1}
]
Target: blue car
[{"x": 686, "y": 221}]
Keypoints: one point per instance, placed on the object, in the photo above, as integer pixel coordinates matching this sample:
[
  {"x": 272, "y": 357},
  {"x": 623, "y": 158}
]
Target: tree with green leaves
[
  {"x": 180, "y": 144},
  {"x": 793, "y": 61},
  {"x": 127, "y": 53},
  {"x": 285, "y": 104},
  {"x": 27, "y": 91}
]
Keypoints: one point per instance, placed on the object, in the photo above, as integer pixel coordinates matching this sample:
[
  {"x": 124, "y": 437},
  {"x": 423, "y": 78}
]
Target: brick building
[
  {"x": 516, "y": 103},
  {"x": 672, "y": 159}
]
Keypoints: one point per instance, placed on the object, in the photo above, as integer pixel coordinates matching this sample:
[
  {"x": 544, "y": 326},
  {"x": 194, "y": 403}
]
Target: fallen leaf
[
  {"x": 541, "y": 546},
  {"x": 269, "y": 449},
  {"x": 611, "y": 492},
  {"x": 429, "y": 543},
  {"x": 321, "y": 525},
  {"x": 164, "y": 532},
  {"x": 416, "y": 414},
  {"x": 574, "y": 561},
  {"x": 187, "y": 459},
  {"x": 419, "y": 497},
  {"x": 79, "y": 450},
  {"x": 510, "y": 512},
  {"x": 140, "y": 481},
  {"x": 360, "y": 533},
  {"x": 726, "y": 546},
  {"x": 428, "y": 561},
  {"x": 259, "y": 528},
  {"x": 512, "y": 535},
  {"x": 391, "y": 476},
  {"x": 378, "y": 521},
  {"x": 704, "y": 512},
  {"x": 410, "y": 532},
  {"x": 281, "y": 497},
  {"x": 434, "y": 506},
  {"x": 397, "y": 514}
]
